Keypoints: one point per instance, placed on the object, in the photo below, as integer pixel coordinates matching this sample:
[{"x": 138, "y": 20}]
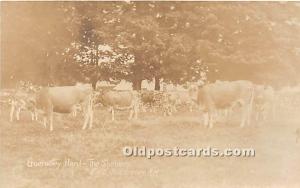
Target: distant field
[{"x": 276, "y": 163}]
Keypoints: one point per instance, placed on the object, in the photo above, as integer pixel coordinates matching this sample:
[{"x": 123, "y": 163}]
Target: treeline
[{"x": 178, "y": 42}]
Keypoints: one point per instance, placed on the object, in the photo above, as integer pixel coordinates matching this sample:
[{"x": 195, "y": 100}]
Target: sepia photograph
[{"x": 149, "y": 94}]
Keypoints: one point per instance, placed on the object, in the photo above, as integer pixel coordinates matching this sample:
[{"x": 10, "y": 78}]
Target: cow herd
[{"x": 210, "y": 102}]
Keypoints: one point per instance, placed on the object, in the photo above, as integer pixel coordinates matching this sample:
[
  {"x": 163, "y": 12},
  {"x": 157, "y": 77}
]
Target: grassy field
[{"x": 24, "y": 143}]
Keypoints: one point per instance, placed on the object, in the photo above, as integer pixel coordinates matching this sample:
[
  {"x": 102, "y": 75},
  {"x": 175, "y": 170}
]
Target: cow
[
  {"x": 288, "y": 100},
  {"x": 156, "y": 100},
  {"x": 264, "y": 101},
  {"x": 179, "y": 99},
  {"x": 63, "y": 99},
  {"x": 223, "y": 95},
  {"x": 166, "y": 101},
  {"x": 22, "y": 101},
  {"x": 5, "y": 99},
  {"x": 119, "y": 100},
  {"x": 150, "y": 99}
]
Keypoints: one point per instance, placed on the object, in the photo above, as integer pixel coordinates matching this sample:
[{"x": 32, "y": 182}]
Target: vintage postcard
[{"x": 164, "y": 94}]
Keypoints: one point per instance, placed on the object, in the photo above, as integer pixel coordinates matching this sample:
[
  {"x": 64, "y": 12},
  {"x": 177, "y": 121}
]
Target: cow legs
[
  {"x": 86, "y": 119},
  {"x": 131, "y": 112},
  {"x": 211, "y": 119},
  {"x": 246, "y": 116},
  {"x": 12, "y": 110},
  {"x": 48, "y": 119},
  {"x": 35, "y": 115},
  {"x": 45, "y": 121},
  {"x": 32, "y": 116},
  {"x": 18, "y": 114},
  {"x": 190, "y": 108},
  {"x": 112, "y": 114},
  {"x": 205, "y": 118},
  {"x": 168, "y": 110},
  {"x": 226, "y": 113},
  {"x": 91, "y": 114},
  {"x": 87, "y": 108},
  {"x": 51, "y": 120},
  {"x": 49, "y": 115},
  {"x": 74, "y": 113}
]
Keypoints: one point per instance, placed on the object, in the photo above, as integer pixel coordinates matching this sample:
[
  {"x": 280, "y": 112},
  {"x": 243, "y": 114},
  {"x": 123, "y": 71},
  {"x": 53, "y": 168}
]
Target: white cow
[{"x": 63, "y": 99}]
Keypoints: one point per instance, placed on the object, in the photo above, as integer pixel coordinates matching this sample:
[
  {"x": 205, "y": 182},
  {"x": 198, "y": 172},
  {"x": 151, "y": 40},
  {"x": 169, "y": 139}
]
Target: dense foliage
[{"x": 177, "y": 42}]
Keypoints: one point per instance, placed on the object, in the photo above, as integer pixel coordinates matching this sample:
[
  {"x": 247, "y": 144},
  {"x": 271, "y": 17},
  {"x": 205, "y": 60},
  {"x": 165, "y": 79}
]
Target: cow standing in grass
[
  {"x": 223, "y": 95},
  {"x": 161, "y": 100},
  {"x": 181, "y": 99},
  {"x": 150, "y": 100},
  {"x": 63, "y": 99},
  {"x": 119, "y": 100},
  {"x": 22, "y": 101},
  {"x": 264, "y": 100}
]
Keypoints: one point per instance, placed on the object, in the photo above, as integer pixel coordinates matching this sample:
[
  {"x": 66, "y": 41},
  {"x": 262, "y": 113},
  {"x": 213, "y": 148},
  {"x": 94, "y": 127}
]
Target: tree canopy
[{"x": 177, "y": 42}]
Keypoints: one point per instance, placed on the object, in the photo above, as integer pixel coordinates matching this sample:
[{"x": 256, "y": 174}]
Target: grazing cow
[
  {"x": 63, "y": 99},
  {"x": 224, "y": 95},
  {"x": 263, "y": 102},
  {"x": 119, "y": 100}
]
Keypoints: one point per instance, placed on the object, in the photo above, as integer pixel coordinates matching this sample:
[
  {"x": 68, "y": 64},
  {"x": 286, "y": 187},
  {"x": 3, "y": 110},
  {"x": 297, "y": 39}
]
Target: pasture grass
[{"x": 276, "y": 162}]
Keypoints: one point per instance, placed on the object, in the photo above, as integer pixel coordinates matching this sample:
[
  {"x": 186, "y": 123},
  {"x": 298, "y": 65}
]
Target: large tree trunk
[
  {"x": 157, "y": 84},
  {"x": 137, "y": 84}
]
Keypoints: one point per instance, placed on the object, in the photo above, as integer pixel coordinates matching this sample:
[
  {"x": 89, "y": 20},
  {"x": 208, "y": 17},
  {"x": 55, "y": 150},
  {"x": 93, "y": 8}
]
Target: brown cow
[
  {"x": 119, "y": 100},
  {"x": 63, "y": 99},
  {"x": 224, "y": 95}
]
